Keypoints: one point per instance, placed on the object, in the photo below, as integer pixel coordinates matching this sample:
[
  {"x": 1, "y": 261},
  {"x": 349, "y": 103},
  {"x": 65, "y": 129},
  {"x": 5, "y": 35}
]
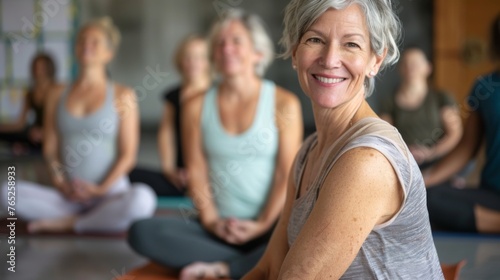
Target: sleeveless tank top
[
  {"x": 241, "y": 167},
  {"x": 88, "y": 145},
  {"x": 401, "y": 248},
  {"x": 37, "y": 108}
]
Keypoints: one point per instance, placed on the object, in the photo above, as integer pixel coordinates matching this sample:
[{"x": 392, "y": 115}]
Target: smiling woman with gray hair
[{"x": 356, "y": 205}]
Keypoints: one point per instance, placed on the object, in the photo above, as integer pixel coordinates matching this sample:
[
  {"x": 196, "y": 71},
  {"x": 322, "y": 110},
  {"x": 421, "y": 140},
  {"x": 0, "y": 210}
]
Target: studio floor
[
  {"x": 95, "y": 258},
  {"x": 56, "y": 258}
]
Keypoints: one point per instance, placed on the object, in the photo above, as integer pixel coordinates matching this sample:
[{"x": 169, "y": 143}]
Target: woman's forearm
[
  {"x": 453, "y": 130},
  {"x": 199, "y": 191},
  {"x": 167, "y": 141},
  {"x": 275, "y": 201},
  {"x": 458, "y": 157},
  {"x": 121, "y": 168}
]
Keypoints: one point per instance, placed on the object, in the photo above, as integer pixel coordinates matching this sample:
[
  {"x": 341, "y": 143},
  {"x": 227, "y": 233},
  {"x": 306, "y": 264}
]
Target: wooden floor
[{"x": 64, "y": 257}]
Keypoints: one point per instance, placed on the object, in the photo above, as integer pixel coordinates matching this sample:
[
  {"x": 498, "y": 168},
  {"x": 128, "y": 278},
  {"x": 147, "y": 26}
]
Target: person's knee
[
  {"x": 143, "y": 201},
  {"x": 138, "y": 234},
  {"x": 436, "y": 197},
  {"x": 449, "y": 210}
]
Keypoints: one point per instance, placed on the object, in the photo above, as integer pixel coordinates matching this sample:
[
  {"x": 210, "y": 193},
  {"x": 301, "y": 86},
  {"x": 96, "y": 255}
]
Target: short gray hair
[
  {"x": 261, "y": 40},
  {"x": 383, "y": 25}
]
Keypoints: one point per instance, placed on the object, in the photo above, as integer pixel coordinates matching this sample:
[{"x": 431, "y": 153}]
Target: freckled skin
[{"x": 354, "y": 197}]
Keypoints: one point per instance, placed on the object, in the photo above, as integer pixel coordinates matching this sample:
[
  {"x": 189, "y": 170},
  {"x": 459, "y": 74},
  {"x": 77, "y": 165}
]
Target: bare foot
[
  {"x": 200, "y": 270},
  {"x": 55, "y": 225}
]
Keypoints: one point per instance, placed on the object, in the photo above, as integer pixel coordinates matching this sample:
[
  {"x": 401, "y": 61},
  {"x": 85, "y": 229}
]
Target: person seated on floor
[
  {"x": 191, "y": 61},
  {"x": 472, "y": 209},
  {"x": 355, "y": 207},
  {"x": 240, "y": 140},
  {"x": 427, "y": 119},
  {"x": 21, "y": 136},
  {"x": 91, "y": 133}
]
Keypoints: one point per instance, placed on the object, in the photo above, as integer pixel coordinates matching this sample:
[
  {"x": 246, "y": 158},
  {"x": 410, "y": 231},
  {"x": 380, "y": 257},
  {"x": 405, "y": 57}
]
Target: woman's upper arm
[
  {"x": 198, "y": 182},
  {"x": 128, "y": 112},
  {"x": 473, "y": 136},
  {"x": 191, "y": 133},
  {"x": 24, "y": 114},
  {"x": 50, "y": 134},
  {"x": 361, "y": 191},
  {"x": 290, "y": 127},
  {"x": 166, "y": 139},
  {"x": 451, "y": 120},
  {"x": 167, "y": 117},
  {"x": 270, "y": 263}
]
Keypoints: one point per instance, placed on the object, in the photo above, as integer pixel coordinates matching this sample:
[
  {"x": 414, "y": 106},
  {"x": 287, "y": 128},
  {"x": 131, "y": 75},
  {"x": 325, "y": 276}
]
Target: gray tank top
[
  {"x": 401, "y": 248},
  {"x": 88, "y": 145}
]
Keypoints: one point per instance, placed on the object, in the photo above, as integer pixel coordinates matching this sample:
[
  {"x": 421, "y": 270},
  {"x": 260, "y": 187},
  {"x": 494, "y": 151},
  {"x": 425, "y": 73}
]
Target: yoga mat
[
  {"x": 22, "y": 229},
  {"x": 174, "y": 202},
  {"x": 152, "y": 271}
]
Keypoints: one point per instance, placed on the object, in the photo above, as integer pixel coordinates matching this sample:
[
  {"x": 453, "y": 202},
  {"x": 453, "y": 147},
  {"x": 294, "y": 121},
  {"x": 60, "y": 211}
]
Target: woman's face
[
  {"x": 92, "y": 47},
  {"x": 194, "y": 62},
  {"x": 414, "y": 65},
  {"x": 234, "y": 53},
  {"x": 41, "y": 70},
  {"x": 334, "y": 57}
]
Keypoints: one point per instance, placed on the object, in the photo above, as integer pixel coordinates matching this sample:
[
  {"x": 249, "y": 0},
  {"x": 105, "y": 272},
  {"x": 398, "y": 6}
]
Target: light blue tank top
[
  {"x": 241, "y": 167},
  {"x": 88, "y": 145}
]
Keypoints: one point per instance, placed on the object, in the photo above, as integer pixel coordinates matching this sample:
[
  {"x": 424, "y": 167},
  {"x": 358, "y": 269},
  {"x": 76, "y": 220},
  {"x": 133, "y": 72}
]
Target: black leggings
[
  {"x": 453, "y": 209},
  {"x": 176, "y": 242},
  {"x": 156, "y": 180},
  {"x": 20, "y": 137}
]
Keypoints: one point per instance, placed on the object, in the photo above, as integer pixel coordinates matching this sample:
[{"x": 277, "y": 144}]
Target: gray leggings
[{"x": 176, "y": 242}]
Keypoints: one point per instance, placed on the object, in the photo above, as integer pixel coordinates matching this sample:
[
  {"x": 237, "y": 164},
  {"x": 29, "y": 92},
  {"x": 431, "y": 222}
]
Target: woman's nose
[{"x": 330, "y": 57}]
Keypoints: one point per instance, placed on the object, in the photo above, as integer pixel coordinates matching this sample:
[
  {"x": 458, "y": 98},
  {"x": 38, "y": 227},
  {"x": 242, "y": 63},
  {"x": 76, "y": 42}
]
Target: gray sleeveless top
[
  {"x": 88, "y": 145},
  {"x": 401, "y": 248}
]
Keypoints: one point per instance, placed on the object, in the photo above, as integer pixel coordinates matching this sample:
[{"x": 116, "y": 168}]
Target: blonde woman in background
[
  {"x": 191, "y": 61},
  {"x": 91, "y": 135}
]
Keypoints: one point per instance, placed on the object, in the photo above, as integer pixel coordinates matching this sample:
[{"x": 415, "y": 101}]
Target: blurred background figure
[
  {"x": 191, "y": 61},
  {"x": 24, "y": 136},
  {"x": 472, "y": 209},
  {"x": 428, "y": 119},
  {"x": 91, "y": 134},
  {"x": 240, "y": 140}
]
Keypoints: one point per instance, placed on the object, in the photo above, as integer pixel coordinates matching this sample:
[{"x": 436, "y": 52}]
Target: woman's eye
[
  {"x": 313, "y": 40},
  {"x": 352, "y": 45},
  {"x": 237, "y": 40}
]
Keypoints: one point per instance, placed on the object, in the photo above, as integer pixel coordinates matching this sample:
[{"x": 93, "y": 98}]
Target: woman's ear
[
  {"x": 374, "y": 69},
  {"x": 259, "y": 56},
  {"x": 110, "y": 55},
  {"x": 294, "y": 58},
  {"x": 430, "y": 68}
]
